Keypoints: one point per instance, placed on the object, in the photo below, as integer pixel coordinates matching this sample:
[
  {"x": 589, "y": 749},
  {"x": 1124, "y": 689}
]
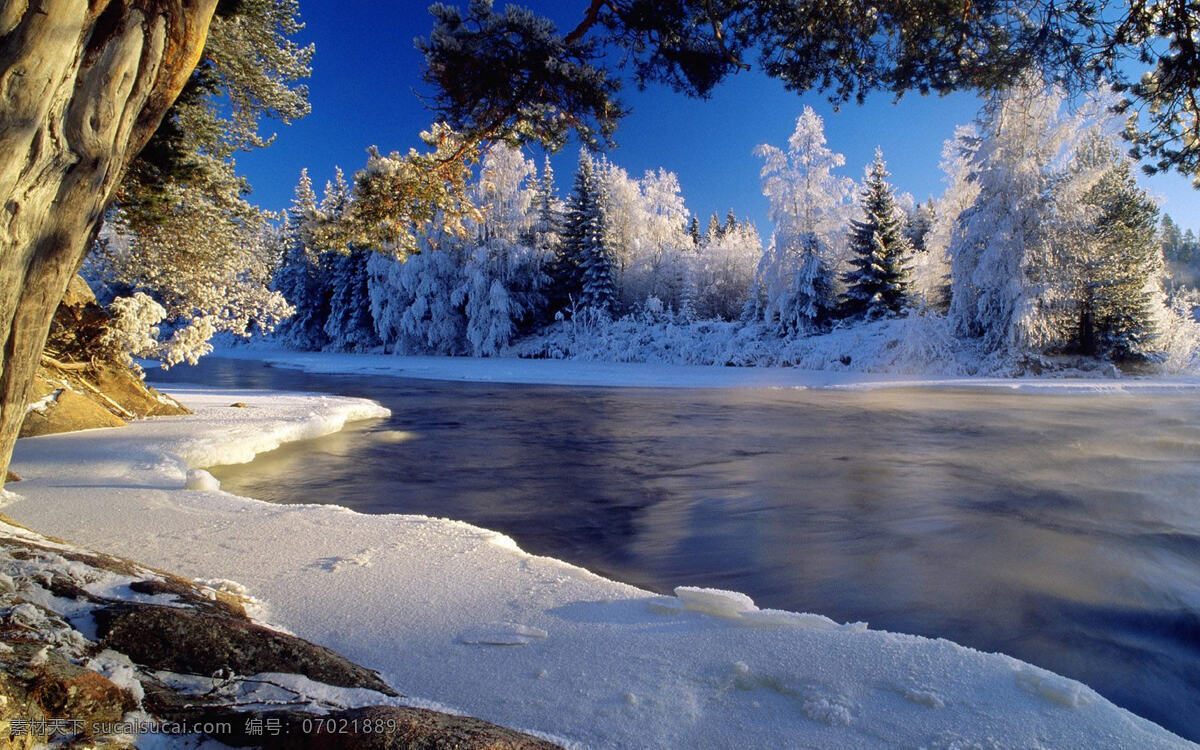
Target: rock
[
  {"x": 38, "y": 684},
  {"x": 184, "y": 640},
  {"x": 366, "y": 728},
  {"x": 67, "y": 411}
]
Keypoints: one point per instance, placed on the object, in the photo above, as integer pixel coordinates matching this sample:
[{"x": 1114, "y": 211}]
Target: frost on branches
[{"x": 808, "y": 205}]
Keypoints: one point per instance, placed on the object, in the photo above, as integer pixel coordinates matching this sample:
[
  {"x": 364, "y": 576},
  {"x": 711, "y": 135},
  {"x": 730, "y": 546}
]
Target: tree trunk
[{"x": 83, "y": 86}]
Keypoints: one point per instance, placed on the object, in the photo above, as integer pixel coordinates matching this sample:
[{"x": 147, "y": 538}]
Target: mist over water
[{"x": 1062, "y": 530}]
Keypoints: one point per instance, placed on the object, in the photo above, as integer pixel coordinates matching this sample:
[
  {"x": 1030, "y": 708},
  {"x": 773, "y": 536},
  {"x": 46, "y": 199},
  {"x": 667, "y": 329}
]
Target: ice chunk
[
  {"x": 715, "y": 601},
  {"x": 1054, "y": 688},
  {"x": 199, "y": 479}
]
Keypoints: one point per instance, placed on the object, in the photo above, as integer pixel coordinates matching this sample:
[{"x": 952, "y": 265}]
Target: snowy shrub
[
  {"x": 133, "y": 326},
  {"x": 1179, "y": 332}
]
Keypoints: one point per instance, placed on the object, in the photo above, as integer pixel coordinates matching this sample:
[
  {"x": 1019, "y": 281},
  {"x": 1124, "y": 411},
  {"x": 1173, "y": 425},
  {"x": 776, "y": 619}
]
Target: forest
[{"x": 1042, "y": 254}]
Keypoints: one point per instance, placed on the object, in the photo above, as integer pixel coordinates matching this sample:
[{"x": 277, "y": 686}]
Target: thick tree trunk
[{"x": 83, "y": 85}]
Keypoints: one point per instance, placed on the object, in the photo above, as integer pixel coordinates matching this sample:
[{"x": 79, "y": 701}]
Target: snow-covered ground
[
  {"x": 460, "y": 615},
  {"x": 658, "y": 375}
]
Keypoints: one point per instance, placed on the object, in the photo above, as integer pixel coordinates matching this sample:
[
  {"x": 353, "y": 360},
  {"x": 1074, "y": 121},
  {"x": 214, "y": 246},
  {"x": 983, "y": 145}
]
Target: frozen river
[{"x": 1063, "y": 530}]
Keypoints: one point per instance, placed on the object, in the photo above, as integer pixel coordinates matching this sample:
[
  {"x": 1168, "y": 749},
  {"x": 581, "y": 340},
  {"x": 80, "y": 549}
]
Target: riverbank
[
  {"x": 574, "y": 372},
  {"x": 452, "y": 613}
]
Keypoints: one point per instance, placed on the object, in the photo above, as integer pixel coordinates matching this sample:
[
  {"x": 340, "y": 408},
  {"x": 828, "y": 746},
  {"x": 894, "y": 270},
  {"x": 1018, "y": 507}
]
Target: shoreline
[
  {"x": 459, "y": 615},
  {"x": 582, "y": 373}
]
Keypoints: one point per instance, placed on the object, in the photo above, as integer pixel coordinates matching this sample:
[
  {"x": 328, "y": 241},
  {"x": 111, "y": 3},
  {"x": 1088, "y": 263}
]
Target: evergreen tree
[
  {"x": 816, "y": 300},
  {"x": 1172, "y": 239},
  {"x": 301, "y": 277},
  {"x": 715, "y": 230},
  {"x": 694, "y": 232},
  {"x": 918, "y": 226},
  {"x": 583, "y": 268},
  {"x": 350, "y": 326},
  {"x": 877, "y": 283},
  {"x": 1122, "y": 265},
  {"x": 730, "y": 223}
]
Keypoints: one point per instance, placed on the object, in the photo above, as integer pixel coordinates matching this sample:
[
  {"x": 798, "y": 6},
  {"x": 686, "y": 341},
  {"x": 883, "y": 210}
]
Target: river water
[{"x": 1063, "y": 530}]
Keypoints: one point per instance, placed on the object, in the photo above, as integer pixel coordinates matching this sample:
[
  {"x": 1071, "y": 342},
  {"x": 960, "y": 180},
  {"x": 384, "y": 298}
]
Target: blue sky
[{"x": 366, "y": 80}]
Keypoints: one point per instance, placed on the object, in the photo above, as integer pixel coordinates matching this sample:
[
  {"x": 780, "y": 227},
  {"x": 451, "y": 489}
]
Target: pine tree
[
  {"x": 877, "y": 283},
  {"x": 918, "y": 225},
  {"x": 694, "y": 232},
  {"x": 730, "y": 223}
]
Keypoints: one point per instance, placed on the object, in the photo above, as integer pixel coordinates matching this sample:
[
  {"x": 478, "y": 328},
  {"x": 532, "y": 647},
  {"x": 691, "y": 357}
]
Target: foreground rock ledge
[{"x": 49, "y": 668}]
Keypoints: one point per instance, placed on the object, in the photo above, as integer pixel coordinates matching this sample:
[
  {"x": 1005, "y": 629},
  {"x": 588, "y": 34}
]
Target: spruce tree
[
  {"x": 876, "y": 285},
  {"x": 730, "y": 223},
  {"x": 694, "y": 231},
  {"x": 583, "y": 268},
  {"x": 1122, "y": 266},
  {"x": 715, "y": 230},
  {"x": 301, "y": 275},
  {"x": 816, "y": 301}
]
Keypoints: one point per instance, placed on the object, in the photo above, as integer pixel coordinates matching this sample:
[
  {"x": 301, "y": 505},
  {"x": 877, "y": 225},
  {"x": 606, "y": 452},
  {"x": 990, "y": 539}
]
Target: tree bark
[{"x": 83, "y": 86}]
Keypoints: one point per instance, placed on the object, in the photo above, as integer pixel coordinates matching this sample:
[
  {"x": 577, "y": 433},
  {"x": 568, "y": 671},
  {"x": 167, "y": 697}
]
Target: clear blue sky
[{"x": 366, "y": 77}]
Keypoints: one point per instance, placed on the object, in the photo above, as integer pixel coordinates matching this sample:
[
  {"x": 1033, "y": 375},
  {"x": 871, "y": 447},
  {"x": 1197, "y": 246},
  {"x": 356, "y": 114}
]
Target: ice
[
  {"x": 199, "y": 479},
  {"x": 603, "y": 664},
  {"x": 715, "y": 601}
]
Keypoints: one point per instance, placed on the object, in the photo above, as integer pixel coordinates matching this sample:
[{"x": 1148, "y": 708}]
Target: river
[{"x": 1063, "y": 530}]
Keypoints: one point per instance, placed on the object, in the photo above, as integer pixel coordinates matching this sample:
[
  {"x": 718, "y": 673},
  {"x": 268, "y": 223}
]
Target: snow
[
  {"x": 459, "y": 616},
  {"x": 661, "y": 375}
]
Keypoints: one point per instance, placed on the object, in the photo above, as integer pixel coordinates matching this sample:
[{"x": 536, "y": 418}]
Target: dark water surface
[{"x": 1062, "y": 530}]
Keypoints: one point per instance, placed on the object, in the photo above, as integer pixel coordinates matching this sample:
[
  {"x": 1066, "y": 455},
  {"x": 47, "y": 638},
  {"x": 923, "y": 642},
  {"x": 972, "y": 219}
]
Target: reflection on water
[{"x": 1063, "y": 530}]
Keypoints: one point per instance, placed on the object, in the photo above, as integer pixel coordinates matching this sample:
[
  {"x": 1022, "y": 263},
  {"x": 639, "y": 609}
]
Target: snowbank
[
  {"x": 457, "y": 614},
  {"x": 658, "y": 375}
]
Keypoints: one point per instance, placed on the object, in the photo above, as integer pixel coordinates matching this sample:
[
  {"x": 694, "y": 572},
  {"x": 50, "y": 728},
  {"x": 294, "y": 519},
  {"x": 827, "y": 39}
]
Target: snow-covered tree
[
  {"x": 349, "y": 324},
  {"x": 1011, "y": 289},
  {"x": 504, "y": 195},
  {"x": 723, "y": 270},
  {"x": 302, "y": 274},
  {"x": 877, "y": 282},
  {"x": 931, "y": 269},
  {"x": 660, "y": 261},
  {"x": 584, "y": 269},
  {"x": 808, "y": 204}
]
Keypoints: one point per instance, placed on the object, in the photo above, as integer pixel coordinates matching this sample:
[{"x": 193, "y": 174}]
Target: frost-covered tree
[
  {"x": 302, "y": 274},
  {"x": 931, "y": 269},
  {"x": 877, "y": 282},
  {"x": 661, "y": 258},
  {"x": 1011, "y": 287},
  {"x": 503, "y": 194},
  {"x": 349, "y": 324},
  {"x": 723, "y": 271},
  {"x": 808, "y": 204},
  {"x": 180, "y": 228},
  {"x": 918, "y": 224}
]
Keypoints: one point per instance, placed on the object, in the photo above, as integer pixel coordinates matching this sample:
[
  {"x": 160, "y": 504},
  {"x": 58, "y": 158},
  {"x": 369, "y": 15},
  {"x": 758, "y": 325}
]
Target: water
[{"x": 1062, "y": 530}]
